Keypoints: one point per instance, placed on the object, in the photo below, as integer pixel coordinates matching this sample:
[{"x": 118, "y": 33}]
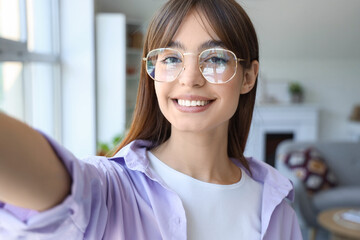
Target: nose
[{"x": 191, "y": 75}]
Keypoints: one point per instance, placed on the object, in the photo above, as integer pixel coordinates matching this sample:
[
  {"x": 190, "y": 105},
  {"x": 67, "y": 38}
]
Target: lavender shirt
[{"x": 123, "y": 198}]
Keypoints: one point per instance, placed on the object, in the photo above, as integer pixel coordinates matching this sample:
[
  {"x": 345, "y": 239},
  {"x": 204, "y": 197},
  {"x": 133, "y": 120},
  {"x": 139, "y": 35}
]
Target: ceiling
[{"x": 315, "y": 29}]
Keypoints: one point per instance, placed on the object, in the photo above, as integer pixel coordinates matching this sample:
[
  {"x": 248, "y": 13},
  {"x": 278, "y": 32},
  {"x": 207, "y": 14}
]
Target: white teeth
[{"x": 194, "y": 103}]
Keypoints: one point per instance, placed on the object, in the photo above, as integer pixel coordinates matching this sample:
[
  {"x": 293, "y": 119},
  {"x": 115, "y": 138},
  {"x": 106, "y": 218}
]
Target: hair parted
[{"x": 234, "y": 28}]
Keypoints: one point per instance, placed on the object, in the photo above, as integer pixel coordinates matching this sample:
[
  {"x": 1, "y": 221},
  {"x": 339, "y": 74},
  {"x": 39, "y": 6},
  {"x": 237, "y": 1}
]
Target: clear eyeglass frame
[{"x": 199, "y": 58}]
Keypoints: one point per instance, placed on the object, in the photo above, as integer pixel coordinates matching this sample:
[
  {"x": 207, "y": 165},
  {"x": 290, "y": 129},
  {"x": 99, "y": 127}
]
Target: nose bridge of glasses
[
  {"x": 188, "y": 53},
  {"x": 195, "y": 60},
  {"x": 190, "y": 66}
]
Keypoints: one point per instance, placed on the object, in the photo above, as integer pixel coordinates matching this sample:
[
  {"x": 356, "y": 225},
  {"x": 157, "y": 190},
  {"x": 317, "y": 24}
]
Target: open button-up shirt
[{"x": 123, "y": 198}]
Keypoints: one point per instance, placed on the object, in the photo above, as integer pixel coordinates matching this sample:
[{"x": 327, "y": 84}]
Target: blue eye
[
  {"x": 171, "y": 60},
  {"x": 217, "y": 60}
]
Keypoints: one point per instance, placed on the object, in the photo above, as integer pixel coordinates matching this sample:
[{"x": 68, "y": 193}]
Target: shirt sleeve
[
  {"x": 284, "y": 224},
  {"x": 84, "y": 209}
]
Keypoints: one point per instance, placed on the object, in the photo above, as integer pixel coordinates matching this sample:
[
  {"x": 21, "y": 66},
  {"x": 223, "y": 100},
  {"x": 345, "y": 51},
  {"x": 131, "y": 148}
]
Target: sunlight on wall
[
  {"x": 30, "y": 24},
  {"x": 11, "y": 100},
  {"x": 10, "y": 20},
  {"x": 39, "y": 25},
  {"x": 11, "y": 72}
]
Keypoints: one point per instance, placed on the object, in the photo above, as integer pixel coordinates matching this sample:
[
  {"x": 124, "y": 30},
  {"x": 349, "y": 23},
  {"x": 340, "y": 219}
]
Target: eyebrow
[{"x": 205, "y": 45}]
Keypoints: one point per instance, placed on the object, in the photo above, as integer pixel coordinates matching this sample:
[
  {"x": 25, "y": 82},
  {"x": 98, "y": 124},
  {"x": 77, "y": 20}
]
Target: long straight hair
[{"x": 234, "y": 28}]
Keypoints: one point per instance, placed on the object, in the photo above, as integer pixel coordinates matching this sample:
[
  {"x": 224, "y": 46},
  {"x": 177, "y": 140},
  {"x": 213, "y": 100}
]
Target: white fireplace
[{"x": 296, "y": 121}]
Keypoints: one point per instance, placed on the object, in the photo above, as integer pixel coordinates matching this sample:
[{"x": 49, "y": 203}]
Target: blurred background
[{"x": 71, "y": 69}]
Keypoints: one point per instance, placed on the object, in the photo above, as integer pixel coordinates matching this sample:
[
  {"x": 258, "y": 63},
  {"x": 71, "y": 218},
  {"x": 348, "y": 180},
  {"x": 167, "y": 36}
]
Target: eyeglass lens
[{"x": 166, "y": 64}]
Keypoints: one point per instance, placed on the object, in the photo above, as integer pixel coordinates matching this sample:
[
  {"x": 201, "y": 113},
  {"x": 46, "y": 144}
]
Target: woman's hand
[{"x": 31, "y": 175}]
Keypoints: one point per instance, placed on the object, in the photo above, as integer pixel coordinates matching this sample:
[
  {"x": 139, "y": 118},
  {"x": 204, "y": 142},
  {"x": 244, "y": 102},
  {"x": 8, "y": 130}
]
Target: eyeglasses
[{"x": 217, "y": 65}]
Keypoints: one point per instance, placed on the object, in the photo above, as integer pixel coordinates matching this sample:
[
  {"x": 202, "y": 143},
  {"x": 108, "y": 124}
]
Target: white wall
[
  {"x": 322, "y": 29},
  {"x": 315, "y": 43},
  {"x": 333, "y": 85},
  {"x": 78, "y": 76},
  {"x": 111, "y": 75}
]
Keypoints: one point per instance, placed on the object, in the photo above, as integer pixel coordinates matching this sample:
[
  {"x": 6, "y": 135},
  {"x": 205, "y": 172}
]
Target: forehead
[{"x": 195, "y": 32}]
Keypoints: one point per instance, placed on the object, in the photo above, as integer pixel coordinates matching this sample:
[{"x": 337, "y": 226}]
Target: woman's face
[{"x": 214, "y": 104}]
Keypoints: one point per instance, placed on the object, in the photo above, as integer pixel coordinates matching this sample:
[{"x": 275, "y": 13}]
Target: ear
[{"x": 250, "y": 75}]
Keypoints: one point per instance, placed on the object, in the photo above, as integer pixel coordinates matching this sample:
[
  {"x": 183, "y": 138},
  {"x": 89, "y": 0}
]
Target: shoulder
[
  {"x": 272, "y": 180},
  {"x": 284, "y": 223},
  {"x": 95, "y": 175}
]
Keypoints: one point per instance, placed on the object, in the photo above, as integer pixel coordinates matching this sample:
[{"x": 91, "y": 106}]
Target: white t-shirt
[{"x": 215, "y": 211}]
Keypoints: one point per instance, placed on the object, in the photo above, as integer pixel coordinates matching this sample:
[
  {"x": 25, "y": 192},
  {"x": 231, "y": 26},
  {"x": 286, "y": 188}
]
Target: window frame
[{"x": 17, "y": 51}]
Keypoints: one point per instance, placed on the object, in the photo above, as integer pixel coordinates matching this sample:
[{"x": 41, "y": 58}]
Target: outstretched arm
[{"x": 31, "y": 175}]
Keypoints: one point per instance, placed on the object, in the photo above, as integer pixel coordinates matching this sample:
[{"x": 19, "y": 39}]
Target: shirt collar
[
  {"x": 134, "y": 155},
  {"x": 271, "y": 178},
  {"x": 135, "y": 158}
]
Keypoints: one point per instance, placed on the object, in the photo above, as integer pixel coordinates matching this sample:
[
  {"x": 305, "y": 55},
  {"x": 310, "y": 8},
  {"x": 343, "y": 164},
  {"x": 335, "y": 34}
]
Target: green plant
[
  {"x": 107, "y": 149},
  {"x": 295, "y": 88}
]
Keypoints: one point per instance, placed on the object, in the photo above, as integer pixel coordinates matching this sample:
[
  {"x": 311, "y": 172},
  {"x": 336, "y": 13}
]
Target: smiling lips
[{"x": 192, "y": 105}]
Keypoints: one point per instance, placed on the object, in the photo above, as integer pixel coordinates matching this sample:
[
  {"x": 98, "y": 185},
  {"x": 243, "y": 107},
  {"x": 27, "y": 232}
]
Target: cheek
[
  {"x": 233, "y": 104},
  {"x": 231, "y": 97},
  {"x": 161, "y": 91},
  {"x": 232, "y": 92}
]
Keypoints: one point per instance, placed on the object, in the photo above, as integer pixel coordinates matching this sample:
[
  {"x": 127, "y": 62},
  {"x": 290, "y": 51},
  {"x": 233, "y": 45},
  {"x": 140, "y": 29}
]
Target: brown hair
[{"x": 234, "y": 28}]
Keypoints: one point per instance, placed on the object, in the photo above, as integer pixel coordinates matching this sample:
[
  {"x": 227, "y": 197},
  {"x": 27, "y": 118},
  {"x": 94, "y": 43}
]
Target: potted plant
[
  {"x": 296, "y": 92},
  {"x": 107, "y": 149}
]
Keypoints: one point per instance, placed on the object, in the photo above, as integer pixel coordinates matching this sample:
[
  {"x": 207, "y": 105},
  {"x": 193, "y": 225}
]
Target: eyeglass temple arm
[{"x": 238, "y": 59}]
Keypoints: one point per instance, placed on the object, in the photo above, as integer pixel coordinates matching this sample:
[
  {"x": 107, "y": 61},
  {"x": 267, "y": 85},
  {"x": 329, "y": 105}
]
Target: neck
[{"x": 200, "y": 155}]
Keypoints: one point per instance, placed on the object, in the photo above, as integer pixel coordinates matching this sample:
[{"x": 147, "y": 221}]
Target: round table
[{"x": 339, "y": 228}]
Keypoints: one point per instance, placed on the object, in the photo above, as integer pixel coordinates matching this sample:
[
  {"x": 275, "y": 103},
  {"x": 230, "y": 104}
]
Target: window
[{"x": 29, "y": 63}]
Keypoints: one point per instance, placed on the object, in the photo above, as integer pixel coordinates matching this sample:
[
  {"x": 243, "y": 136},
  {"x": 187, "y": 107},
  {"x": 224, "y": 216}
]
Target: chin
[
  {"x": 199, "y": 127},
  {"x": 189, "y": 128}
]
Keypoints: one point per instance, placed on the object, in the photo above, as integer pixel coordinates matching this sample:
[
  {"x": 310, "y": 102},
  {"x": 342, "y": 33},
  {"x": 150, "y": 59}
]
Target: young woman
[{"x": 180, "y": 173}]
